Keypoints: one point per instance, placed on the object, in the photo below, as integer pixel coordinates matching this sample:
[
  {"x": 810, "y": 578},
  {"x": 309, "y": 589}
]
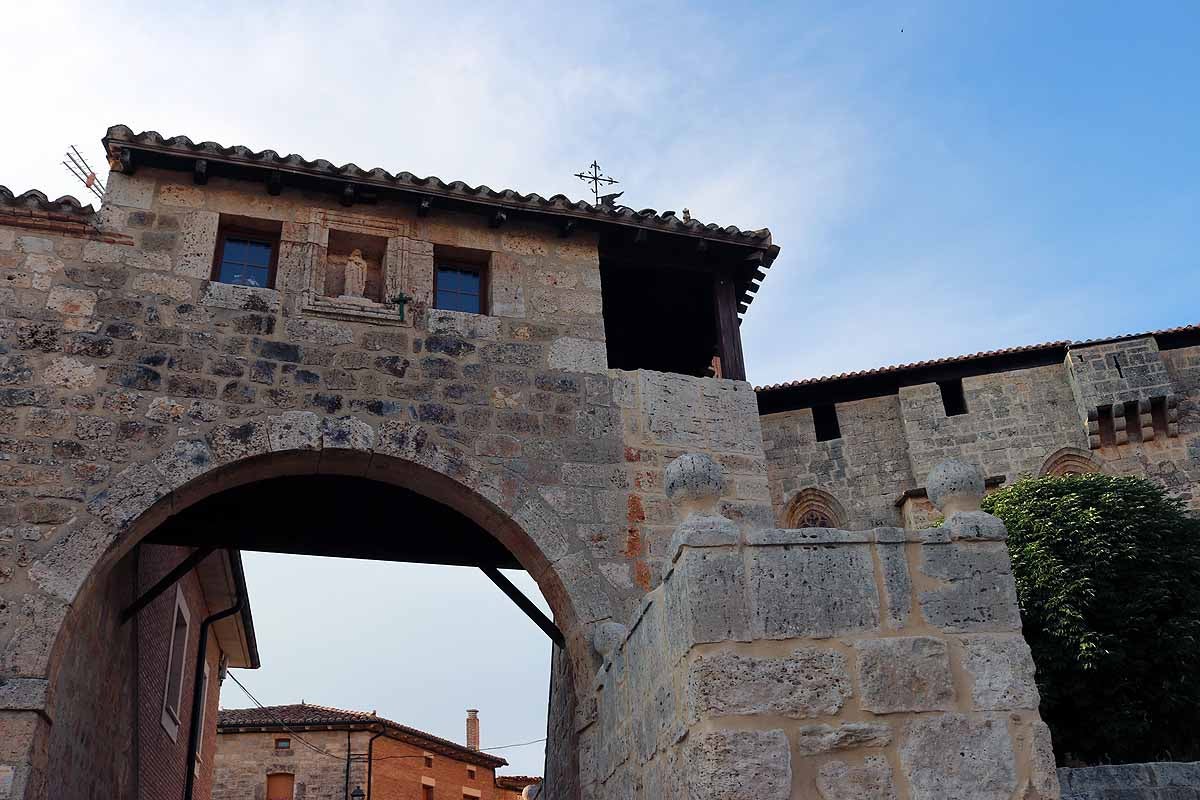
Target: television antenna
[{"x": 78, "y": 166}]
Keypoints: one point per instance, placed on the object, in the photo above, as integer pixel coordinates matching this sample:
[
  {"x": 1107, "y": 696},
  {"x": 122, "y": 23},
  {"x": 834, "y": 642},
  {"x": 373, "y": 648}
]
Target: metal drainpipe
[
  {"x": 347, "y": 764},
  {"x": 198, "y": 696},
  {"x": 371, "y": 760}
]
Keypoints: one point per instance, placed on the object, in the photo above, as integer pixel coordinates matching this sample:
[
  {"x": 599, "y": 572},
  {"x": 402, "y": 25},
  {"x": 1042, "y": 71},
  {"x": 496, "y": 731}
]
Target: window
[
  {"x": 176, "y": 663},
  {"x": 426, "y": 793},
  {"x": 953, "y": 400},
  {"x": 459, "y": 287},
  {"x": 471, "y": 773},
  {"x": 428, "y": 761},
  {"x": 246, "y": 257},
  {"x": 825, "y": 422},
  {"x": 203, "y": 709},
  {"x": 283, "y": 744}
]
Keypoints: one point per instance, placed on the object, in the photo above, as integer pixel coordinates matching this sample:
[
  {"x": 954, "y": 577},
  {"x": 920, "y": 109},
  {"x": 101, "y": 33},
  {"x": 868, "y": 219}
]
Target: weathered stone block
[
  {"x": 295, "y": 430},
  {"x": 978, "y": 593},
  {"x": 72, "y": 302},
  {"x": 577, "y": 355},
  {"x": 816, "y": 739},
  {"x": 197, "y": 242},
  {"x": 1003, "y": 672},
  {"x": 706, "y": 599},
  {"x": 897, "y": 585},
  {"x": 953, "y": 755},
  {"x": 909, "y": 673},
  {"x": 810, "y": 682},
  {"x": 239, "y": 298},
  {"x": 837, "y": 780},
  {"x": 738, "y": 765},
  {"x": 812, "y": 592},
  {"x": 187, "y": 459}
]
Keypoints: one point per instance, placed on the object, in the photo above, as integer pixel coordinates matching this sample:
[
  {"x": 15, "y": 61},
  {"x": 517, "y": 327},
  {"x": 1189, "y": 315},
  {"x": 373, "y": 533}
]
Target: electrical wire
[{"x": 324, "y": 752}]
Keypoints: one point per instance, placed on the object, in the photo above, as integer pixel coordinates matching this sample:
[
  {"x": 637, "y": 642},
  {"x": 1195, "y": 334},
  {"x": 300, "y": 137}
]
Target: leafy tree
[{"x": 1108, "y": 576}]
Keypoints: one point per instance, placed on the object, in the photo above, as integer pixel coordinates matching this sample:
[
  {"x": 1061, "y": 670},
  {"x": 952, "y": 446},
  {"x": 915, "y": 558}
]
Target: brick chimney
[{"x": 473, "y": 728}]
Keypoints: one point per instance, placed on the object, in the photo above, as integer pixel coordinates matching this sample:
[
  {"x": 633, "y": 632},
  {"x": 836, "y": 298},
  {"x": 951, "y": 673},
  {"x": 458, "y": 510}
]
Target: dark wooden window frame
[
  {"x": 463, "y": 266},
  {"x": 225, "y": 232}
]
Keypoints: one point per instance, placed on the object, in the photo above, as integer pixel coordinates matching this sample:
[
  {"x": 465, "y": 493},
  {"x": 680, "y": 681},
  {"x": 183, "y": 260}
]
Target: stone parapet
[{"x": 779, "y": 663}]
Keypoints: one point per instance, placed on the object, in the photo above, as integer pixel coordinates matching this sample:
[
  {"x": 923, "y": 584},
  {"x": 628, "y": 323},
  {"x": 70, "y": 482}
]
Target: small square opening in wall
[
  {"x": 954, "y": 400},
  {"x": 283, "y": 744},
  {"x": 428, "y": 761},
  {"x": 825, "y": 422}
]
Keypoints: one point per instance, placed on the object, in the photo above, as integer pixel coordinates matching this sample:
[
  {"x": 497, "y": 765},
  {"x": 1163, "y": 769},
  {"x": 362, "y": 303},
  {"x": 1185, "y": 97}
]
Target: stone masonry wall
[
  {"x": 820, "y": 663},
  {"x": 1155, "y": 781},
  {"x": 130, "y": 381},
  {"x": 1017, "y": 422}
]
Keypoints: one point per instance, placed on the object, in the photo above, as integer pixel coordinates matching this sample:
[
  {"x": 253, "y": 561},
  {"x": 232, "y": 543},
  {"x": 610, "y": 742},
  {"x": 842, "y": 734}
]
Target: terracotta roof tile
[
  {"x": 516, "y": 782},
  {"x": 33, "y": 200},
  {"x": 298, "y": 715},
  {"x": 120, "y": 135},
  {"x": 895, "y": 368}
]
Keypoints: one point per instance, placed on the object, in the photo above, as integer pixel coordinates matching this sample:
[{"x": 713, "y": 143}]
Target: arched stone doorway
[{"x": 420, "y": 502}]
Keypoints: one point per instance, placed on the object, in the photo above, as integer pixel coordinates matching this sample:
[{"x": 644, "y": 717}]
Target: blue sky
[{"x": 942, "y": 177}]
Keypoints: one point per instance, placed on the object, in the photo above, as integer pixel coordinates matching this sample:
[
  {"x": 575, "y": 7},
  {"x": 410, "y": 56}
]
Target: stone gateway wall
[
  {"x": 776, "y": 664},
  {"x": 709, "y": 654}
]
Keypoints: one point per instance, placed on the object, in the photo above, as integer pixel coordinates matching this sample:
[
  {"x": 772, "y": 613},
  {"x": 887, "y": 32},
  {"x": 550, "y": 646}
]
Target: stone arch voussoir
[
  {"x": 407, "y": 454},
  {"x": 814, "y": 508},
  {"x": 1070, "y": 461}
]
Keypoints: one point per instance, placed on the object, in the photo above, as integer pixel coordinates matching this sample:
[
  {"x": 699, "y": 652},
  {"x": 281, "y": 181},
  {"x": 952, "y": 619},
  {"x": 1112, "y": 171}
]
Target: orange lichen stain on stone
[
  {"x": 633, "y": 542},
  {"x": 637, "y": 512},
  {"x": 641, "y": 575}
]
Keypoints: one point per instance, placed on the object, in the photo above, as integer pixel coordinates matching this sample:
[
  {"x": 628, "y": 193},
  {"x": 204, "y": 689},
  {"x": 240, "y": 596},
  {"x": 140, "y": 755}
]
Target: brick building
[
  {"x": 310, "y": 752},
  {"x": 852, "y": 450}
]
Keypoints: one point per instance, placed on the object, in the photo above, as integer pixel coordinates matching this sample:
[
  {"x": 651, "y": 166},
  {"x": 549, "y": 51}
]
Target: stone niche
[{"x": 354, "y": 270}]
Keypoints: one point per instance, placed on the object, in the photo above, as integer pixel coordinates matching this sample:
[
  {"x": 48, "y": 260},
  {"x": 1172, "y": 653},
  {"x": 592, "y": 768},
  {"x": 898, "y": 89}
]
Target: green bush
[{"x": 1108, "y": 576}]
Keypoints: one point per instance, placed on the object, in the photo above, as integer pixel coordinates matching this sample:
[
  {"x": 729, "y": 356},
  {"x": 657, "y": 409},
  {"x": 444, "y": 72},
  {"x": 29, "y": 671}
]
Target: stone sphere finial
[
  {"x": 694, "y": 477},
  {"x": 607, "y": 637},
  {"x": 954, "y": 486}
]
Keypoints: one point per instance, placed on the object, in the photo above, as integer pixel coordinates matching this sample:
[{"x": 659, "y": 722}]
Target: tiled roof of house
[
  {"x": 882, "y": 381},
  {"x": 1030, "y": 348},
  {"x": 301, "y": 715},
  {"x": 121, "y": 135},
  {"x": 33, "y": 200},
  {"x": 516, "y": 782}
]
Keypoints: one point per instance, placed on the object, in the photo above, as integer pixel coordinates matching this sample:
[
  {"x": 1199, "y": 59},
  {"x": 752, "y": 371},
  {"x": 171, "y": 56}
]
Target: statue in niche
[{"x": 356, "y": 275}]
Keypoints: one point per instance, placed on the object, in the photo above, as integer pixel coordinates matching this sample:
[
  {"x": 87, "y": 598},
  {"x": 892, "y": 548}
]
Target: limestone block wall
[
  {"x": 777, "y": 663},
  {"x": 1018, "y": 422},
  {"x": 1155, "y": 781},
  {"x": 865, "y": 469}
]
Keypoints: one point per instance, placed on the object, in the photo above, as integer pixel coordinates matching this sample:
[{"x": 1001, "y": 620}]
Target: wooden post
[{"x": 729, "y": 337}]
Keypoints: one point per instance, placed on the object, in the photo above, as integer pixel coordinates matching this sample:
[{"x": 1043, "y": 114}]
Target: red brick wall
[
  {"x": 162, "y": 762},
  {"x": 400, "y": 778}
]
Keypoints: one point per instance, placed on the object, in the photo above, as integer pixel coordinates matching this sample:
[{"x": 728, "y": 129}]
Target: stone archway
[
  {"x": 1069, "y": 461},
  {"x": 74, "y": 612},
  {"x": 814, "y": 508}
]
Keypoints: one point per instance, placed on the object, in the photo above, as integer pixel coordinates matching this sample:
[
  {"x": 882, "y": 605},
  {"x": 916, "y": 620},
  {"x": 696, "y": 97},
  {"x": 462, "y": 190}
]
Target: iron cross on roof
[{"x": 597, "y": 179}]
